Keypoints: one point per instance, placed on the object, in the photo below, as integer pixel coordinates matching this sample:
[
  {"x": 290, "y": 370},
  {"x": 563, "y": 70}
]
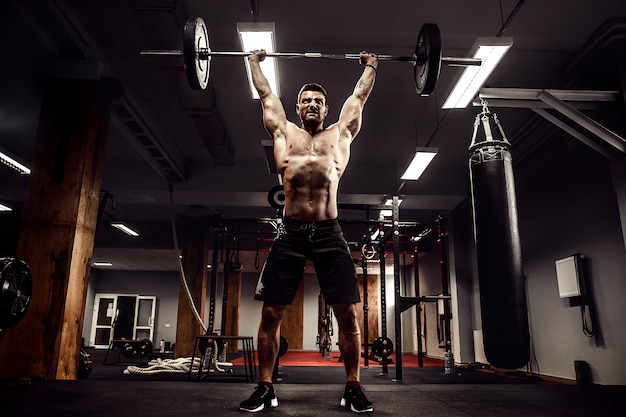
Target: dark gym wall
[{"x": 567, "y": 204}]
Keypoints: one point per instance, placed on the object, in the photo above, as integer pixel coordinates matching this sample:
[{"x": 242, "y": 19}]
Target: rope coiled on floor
[{"x": 174, "y": 366}]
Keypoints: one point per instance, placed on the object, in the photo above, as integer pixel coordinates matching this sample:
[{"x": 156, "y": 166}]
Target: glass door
[
  {"x": 144, "y": 317},
  {"x": 124, "y": 316},
  {"x": 104, "y": 308}
]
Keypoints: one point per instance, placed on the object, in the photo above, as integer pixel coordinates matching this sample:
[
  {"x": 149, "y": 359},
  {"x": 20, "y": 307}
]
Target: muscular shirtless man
[{"x": 311, "y": 160}]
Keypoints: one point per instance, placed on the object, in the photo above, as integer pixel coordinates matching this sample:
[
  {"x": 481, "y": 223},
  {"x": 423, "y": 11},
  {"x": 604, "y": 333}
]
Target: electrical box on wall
[{"x": 569, "y": 275}]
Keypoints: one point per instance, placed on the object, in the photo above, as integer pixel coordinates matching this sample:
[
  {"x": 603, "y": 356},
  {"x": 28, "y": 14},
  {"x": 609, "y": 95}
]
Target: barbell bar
[
  {"x": 207, "y": 54},
  {"x": 426, "y": 60}
]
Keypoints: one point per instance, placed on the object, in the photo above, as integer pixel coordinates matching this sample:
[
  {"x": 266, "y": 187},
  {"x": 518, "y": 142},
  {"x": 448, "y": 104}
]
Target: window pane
[
  {"x": 144, "y": 313},
  {"x": 142, "y": 334},
  {"x": 103, "y": 336},
  {"x": 105, "y": 312}
]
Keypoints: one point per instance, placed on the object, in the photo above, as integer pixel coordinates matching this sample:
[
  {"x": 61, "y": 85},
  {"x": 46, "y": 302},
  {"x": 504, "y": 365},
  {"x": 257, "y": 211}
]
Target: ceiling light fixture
[
  {"x": 124, "y": 228},
  {"x": 385, "y": 213},
  {"x": 5, "y": 208},
  {"x": 11, "y": 161},
  {"x": 255, "y": 36},
  {"x": 102, "y": 264},
  {"x": 388, "y": 201},
  {"x": 421, "y": 160},
  {"x": 490, "y": 51}
]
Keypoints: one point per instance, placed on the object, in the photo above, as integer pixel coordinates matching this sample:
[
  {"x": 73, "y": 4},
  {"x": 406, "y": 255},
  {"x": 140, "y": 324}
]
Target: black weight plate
[
  {"x": 16, "y": 286},
  {"x": 427, "y": 59},
  {"x": 283, "y": 347},
  {"x": 196, "y": 39},
  {"x": 368, "y": 252},
  {"x": 204, "y": 343},
  {"x": 382, "y": 347},
  {"x": 276, "y": 197},
  {"x": 85, "y": 364}
]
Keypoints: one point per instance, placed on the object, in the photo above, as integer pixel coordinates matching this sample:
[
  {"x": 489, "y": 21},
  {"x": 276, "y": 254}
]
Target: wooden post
[
  {"x": 58, "y": 226},
  {"x": 195, "y": 251},
  {"x": 233, "y": 291},
  {"x": 372, "y": 307},
  {"x": 291, "y": 327}
]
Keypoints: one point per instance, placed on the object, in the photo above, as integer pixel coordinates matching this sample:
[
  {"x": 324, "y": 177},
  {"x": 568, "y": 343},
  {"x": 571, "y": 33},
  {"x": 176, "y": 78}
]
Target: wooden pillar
[
  {"x": 58, "y": 225},
  {"x": 195, "y": 250},
  {"x": 291, "y": 327},
  {"x": 372, "y": 307},
  {"x": 233, "y": 292}
]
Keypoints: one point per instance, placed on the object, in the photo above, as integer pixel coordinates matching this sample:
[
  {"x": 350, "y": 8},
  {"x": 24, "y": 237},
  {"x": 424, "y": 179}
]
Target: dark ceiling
[{"x": 208, "y": 144}]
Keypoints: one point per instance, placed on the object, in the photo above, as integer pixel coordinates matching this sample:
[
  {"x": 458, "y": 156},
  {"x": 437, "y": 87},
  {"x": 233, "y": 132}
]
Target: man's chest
[{"x": 303, "y": 145}]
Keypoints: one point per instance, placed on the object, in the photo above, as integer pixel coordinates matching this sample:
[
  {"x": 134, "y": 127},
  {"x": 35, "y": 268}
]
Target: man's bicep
[
  {"x": 351, "y": 116},
  {"x": 274, "y": 117}
]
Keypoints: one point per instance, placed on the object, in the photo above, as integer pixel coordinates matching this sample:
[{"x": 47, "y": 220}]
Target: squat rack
[{"x": 403, "y": 303}]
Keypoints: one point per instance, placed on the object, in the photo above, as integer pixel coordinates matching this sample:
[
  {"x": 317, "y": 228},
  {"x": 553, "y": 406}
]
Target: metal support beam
[
  {"x": 396, "y": 285},
  {"x": 578, "y": 135},
  {"x": 584, "y": 121},
  {"x": 539, "y": 99},
  {"x": 533, "y": 94}
]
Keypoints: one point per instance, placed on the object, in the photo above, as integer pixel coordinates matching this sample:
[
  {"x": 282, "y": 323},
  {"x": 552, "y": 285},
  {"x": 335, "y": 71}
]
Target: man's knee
[
  {"x": 272, "y": 314},
  {"x": 346, "y": 316},
  {"x": 345, "y": 310}
]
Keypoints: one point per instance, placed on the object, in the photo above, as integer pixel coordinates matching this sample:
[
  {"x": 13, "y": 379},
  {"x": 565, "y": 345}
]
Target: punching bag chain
[{"x": 483, "y": 103}]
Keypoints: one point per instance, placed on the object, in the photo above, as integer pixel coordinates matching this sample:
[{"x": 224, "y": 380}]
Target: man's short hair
[{"x": 312, "y": 87}]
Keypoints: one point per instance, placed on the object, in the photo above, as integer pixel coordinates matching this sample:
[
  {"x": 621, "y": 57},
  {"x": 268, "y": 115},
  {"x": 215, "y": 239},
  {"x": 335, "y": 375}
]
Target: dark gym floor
[{"x": 312, "y": 391}]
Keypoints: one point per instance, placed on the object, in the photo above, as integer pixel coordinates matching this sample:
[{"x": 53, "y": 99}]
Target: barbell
[{"x": 426, "y": 59}]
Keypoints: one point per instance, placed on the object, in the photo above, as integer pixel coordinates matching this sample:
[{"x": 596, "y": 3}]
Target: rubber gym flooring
[{"x": 311, "y": 391}]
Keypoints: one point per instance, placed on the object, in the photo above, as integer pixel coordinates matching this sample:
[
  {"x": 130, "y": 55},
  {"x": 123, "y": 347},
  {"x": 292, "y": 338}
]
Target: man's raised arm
[
  {"x": 352, "y": 110},
  {"x": 274, "y": 117}
]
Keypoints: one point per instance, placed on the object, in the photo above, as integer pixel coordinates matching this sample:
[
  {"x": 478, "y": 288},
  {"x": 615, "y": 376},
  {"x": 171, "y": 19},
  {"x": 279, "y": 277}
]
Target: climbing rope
[
  {"x": 183, "y": 280},
  {"x": 215, "y": 361}
]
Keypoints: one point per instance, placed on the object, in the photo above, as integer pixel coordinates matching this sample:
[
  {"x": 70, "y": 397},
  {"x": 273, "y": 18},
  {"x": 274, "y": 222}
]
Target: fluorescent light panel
[
  {"x": 124, "y": 228},
  {"x": 389, "y": 202},
  {"x": 490, "y": 51},
  {"x": 102, "y": 264},
  {"x": 385, "y": 213},
  {"x": 255, "y": 36},
  {"x": 5, "y": 208},
  {"x": 421, "y": 160},
  {"x": 12, "y": 162}
]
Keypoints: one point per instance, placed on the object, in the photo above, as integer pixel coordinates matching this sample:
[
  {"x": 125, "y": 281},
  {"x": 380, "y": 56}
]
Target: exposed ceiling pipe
[
  {"x": 509, "y": 19},
  {"x": 73, "y": 28},
  {"x": 610, "y": 31},
  {"x": 254, "y": 10}
]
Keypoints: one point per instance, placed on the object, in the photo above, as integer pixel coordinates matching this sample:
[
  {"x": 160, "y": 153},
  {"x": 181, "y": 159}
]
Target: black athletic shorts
[{"x": 323, "y": 243}]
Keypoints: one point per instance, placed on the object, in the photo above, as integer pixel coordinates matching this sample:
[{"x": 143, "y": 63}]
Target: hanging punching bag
[{"x": 502, "y": 292}]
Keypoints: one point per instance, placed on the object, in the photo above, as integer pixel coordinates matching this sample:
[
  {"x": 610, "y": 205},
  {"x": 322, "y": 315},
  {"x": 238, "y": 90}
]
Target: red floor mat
[{"x": 307, "y": 358}]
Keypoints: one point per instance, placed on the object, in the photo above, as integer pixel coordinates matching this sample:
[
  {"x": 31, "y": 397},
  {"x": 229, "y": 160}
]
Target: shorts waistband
[{"x": 291, "y": 222}]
